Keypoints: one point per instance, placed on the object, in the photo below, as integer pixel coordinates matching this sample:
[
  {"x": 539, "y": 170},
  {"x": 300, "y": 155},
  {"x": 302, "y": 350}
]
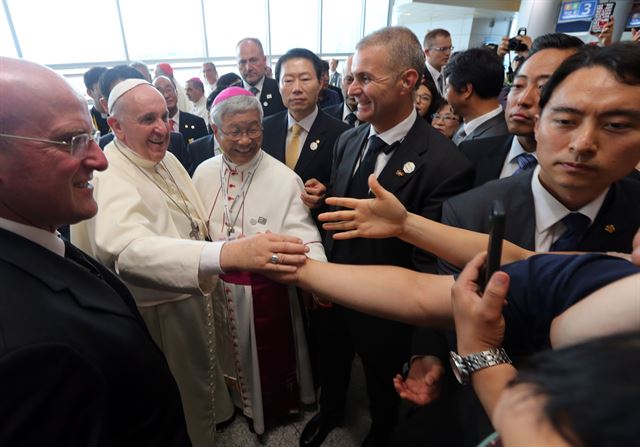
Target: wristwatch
[{"x": 463, "y": 367}]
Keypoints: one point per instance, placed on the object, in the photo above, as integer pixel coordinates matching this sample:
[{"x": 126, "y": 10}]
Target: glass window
[
  {"x": 294, "y": 25},
  {"x": 230, "y": 21},
  {"x": 52, "y": 33},
  {"x": 7, "y": 48},
  {"x": 162, "y": 29},
  {"x": 376, "y": 14},
  {"x": 341, "y": 25}
]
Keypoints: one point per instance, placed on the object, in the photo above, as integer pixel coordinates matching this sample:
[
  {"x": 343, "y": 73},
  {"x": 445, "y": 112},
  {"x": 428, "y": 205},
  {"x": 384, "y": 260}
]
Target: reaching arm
[
  {"x": 384, "y": 216},
  {"x": 386, "y": 291}
]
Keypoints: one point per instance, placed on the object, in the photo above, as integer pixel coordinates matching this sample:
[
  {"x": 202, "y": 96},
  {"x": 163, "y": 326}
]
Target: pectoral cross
[{"x": 195, "y": 231}]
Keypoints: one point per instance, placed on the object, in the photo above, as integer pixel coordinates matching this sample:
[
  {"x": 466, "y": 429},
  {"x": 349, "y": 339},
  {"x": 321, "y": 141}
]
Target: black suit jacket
[
  {"x": 487, "y": 156},
  {"x": 270, "y": 98},
  {"x": 620, "y": 211},
  {"x": 192, "y": 126},
  {"x": 440, "y": 172},
  {"x": 493, "y": 127},
  {"x": 176, "y": 147},
  {"x": 199, "y": 151},
  {"x": 312, "y": 163},
  {"x": 86, "y": 318},
  {"x": 334, "y": 111}
]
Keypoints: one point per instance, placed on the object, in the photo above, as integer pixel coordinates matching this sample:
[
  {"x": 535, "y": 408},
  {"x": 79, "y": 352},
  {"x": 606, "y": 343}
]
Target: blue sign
[{"x": 577, "y": 10}]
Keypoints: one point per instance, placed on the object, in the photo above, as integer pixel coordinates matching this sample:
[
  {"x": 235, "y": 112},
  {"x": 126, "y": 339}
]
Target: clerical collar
[
  {"x": 397, "y": 132},
  {"x": 133, "y": 155},
  {"x": 305, "y": 122},
  {"x": 244, "y": 167},
  {"x": 50, "y": 241}
]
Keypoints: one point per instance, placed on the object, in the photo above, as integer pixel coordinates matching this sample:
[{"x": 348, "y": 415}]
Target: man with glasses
[
  {"x": 252, "y": 64},
  {"x": 437, "y": 49},
  {"x": 152, "y": 230},
  {"x": 77, "y": 364},
  {"x": 261, "y": 338}
]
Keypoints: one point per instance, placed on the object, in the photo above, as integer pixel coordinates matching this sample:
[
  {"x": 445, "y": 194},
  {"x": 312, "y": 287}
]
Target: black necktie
[
  {"x": 576, "y": 224},
  {"x": 254, "y": 91},
  {"x": 351, "y": 119},
  {"x": 525, "y": 162},
  {"x": 78, "y": 257},
  {"x": 359, "y": 184}
]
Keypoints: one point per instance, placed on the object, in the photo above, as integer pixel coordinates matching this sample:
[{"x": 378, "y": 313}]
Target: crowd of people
[{"x": 182, "y": 253}]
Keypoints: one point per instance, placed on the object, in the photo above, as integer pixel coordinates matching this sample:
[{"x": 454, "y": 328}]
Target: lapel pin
[
  {"x": 269, "y": 96},
  {"x": 314, "y": 145},
  {"x": 262, "y": 220},
  {"x": 193, "y": 127},
  {"x": 265, "y": 103},
  {"x": 610, "y": 228},
  {"x": 399, "y": 173},
  {"x": 409, "y": 167},
  {"x": 252, "y": 221}
]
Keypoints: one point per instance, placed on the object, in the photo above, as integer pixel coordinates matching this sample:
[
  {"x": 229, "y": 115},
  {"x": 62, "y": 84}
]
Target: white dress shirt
[
  {"x": 50, "y": 241},
  {"x": 549, "y": 213},
  {"x": 510, "y": 165},
  {"x": 476, "y": 122}
]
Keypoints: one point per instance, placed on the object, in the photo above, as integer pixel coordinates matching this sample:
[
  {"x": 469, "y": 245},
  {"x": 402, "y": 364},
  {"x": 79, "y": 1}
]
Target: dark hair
[
  {"x": 224, "y": 81},
  {"x": 620, "y": 59},
  {"x": 436, "y": 98},
  {"x": 480, "y": 67},
  {"x": 558, "y": 41},
  {"x": 301, "y": 53},
  {"x": 431, "y": 35},
  {"x": 92, "y": 76},
  {"x": 118, "y": 73},
  {"x": 591, "y": 390}
]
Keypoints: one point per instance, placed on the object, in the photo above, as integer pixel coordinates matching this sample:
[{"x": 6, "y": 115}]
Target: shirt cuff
[{"x": 210, "y": 260}]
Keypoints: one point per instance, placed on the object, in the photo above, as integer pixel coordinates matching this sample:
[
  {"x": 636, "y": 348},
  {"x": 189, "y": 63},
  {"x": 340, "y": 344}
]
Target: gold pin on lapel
[
  {"x": 399, "y": 173},
  {"x": 610, "y": 228}
]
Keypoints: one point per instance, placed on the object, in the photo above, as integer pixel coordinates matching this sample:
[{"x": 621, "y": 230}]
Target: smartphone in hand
[{"x": 497, "y": 219}]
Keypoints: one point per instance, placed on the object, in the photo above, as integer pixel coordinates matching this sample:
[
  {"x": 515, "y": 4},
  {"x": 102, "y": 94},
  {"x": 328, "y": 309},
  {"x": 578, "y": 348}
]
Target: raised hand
[
  {"x": 381, "y": 217},
  {"x": 478, "y": 319}
]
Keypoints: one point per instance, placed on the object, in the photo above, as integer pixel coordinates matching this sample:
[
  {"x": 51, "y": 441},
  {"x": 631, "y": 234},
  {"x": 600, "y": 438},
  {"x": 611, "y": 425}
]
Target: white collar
[
  {"x": 346, "y": 110},
  {"x": 305, "y": 122},
  {"x": 549, "y": 211},
  {"x": 517, "y": 150},
  {"x": 435, "y": 73},
  {"x": 133, "y": 155},
  {"x": 258, "y": 85},
  {"x": 244, "y": 167},
  {"x": 44, "y": 238},
  {"x": 399, "y": 131},
  {"x": 476, "y": 122}
]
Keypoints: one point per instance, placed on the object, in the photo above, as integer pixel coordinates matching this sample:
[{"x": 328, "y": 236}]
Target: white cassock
[
  {"x": 261, "y": 342},
  {"x": 200, "y": 109},
  {"x": 142, "y": 233}
]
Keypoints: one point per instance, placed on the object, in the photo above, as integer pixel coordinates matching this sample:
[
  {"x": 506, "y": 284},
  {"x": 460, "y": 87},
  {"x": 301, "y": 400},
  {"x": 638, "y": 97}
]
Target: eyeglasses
[
  {"x": 236, "y": 134},
  {"x": 442, "y": 49},
  {"x": 446, "y": 117},
  {"x": 78, "y": 147}
]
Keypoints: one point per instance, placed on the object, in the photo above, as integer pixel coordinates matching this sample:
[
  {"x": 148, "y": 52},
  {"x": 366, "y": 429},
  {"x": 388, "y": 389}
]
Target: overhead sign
[{"x": 577, "y": 10}]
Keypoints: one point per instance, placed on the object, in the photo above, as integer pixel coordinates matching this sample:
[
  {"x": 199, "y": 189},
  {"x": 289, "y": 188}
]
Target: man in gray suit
[{"x": 474, "y": 79}]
